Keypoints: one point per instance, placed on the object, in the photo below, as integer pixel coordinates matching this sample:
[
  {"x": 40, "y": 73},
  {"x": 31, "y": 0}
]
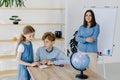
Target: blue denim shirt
[{"x": 84, "y": 33}]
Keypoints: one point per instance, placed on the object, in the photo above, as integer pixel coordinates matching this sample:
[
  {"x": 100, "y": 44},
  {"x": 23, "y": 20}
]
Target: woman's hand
[{"x": 90, "y": 39}]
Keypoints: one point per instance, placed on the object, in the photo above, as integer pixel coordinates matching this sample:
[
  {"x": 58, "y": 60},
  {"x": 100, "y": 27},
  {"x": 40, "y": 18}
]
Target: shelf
[
  {"x": 41, "y": 24},
  {"x": 35, "y": 40},
  {"x": 7, "y": 57},
  {"x": 6, "y": 73},
  {"x": 57, "y": 39},
  {"x": 32, "y": 8}
]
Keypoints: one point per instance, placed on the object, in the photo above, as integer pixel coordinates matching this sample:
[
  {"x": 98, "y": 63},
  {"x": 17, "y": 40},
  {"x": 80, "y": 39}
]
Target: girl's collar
[{"x": 26, "y": 43}]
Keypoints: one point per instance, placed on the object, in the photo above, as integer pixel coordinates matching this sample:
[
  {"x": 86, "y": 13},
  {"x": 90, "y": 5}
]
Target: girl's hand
[
  {"x": 33, "y": 64},
  {"x": 38, "y": 64}
]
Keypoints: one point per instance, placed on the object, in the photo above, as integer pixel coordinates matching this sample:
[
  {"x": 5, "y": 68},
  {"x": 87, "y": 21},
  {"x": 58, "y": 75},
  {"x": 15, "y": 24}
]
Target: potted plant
[
  {"x": 15, "y": 19},
  {"x": 10, "y": 3}
]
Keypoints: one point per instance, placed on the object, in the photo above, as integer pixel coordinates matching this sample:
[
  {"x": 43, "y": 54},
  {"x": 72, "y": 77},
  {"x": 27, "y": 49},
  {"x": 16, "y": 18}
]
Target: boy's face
[{"x": 48, "y": 44}]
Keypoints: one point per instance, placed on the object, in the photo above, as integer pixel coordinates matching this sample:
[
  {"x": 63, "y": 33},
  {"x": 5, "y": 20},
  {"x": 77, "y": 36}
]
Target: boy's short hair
[{"x": 49, "y": 35}]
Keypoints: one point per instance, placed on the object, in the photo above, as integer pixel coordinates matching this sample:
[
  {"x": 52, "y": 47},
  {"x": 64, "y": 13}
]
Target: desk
[
  {"x": 60, "y": 73},
  {"x": 101, "y": 60}
]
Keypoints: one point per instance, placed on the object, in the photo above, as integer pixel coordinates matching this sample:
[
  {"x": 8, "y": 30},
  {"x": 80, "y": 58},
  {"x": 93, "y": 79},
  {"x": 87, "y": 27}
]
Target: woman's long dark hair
[{"x": 93, "y": 21}]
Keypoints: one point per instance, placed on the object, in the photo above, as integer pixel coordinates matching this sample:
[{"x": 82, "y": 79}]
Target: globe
[{"x": 80, "y": 62}]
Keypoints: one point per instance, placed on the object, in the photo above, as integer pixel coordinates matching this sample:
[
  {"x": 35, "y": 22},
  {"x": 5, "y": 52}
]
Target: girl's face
[
  {"x": 48, "y": 44},
  {"x": 88, "y": 17},
  {"x": 29, "y": 36}
]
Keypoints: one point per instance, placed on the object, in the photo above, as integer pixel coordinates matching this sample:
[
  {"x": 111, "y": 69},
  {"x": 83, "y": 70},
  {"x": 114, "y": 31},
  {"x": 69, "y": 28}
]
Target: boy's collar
[{"x": 50, "y": 50}]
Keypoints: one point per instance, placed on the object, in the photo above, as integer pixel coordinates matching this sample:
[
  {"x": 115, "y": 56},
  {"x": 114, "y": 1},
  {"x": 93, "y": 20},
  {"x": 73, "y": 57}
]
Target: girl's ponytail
[{"x": 21, "y": 39}]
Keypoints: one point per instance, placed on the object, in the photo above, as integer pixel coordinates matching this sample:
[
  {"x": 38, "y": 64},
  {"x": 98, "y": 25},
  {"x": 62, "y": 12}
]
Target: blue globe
[{"x": 79, "y": 61}]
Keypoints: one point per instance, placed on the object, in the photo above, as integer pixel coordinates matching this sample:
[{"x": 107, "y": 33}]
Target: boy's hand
[
  {"x": 44, "y": 62},
  {"x": 49, "y": 63}
]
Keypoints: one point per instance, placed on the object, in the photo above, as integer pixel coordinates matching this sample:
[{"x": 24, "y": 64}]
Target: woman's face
[
  {"x": 29, "y": 36},
  {"x": 88, "y": 17}
]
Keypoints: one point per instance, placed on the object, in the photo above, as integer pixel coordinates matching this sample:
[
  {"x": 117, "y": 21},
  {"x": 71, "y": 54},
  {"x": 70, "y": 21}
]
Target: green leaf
[
  {"x": 18, "y": 20},
  {"x": 11, "y": 19},
  {"x": 2, "y": 2},
  {"x": 16, "y": 1},
  {"x": 10, "y": 3},
  {"x": 15, "y": 16}
]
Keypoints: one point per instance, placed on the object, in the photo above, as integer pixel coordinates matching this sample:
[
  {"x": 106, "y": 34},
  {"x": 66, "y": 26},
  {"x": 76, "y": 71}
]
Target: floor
[
  {"x": 112, "y": 72},
  {"x": 9, "y": 78}
]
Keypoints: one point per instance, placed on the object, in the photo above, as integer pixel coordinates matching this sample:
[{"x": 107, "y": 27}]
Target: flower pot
[{"x": 15, "y": 22}]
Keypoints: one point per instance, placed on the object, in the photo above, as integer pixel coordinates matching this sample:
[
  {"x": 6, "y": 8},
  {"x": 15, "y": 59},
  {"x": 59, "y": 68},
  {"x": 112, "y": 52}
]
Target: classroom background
[{"x": 54, "y": 15}]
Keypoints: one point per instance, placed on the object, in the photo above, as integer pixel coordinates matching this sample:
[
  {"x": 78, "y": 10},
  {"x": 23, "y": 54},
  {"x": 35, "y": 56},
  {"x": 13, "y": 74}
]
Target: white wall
[
  {"x": 31, "y": 17},
  {"x": 75, "y": 19}
]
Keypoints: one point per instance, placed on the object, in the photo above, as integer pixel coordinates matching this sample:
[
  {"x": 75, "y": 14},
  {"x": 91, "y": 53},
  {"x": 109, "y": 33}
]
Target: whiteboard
[{"x": 106, "y": 18}]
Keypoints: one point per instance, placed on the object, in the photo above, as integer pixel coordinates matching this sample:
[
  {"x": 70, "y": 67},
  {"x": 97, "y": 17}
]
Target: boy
[{"x": 48, "y": 54}]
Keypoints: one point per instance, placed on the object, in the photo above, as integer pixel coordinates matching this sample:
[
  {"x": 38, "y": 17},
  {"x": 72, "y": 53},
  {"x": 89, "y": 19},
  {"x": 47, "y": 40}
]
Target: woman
[{"x": 87, "y": 38}]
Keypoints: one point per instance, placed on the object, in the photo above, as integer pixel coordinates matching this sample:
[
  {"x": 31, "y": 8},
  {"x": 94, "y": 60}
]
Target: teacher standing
[{"x": 87, "y": 38}]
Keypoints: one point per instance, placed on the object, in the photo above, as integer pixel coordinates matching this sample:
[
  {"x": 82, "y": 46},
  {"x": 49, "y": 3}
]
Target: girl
[
  {"x": 87, "y": 38},
  {"x": 25, "y": 53}
]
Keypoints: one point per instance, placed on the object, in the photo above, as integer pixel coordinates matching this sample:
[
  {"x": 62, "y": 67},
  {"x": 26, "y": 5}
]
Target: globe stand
[
  {"x": 81, "y": 76},
  {"x": 80, "y": 62}
]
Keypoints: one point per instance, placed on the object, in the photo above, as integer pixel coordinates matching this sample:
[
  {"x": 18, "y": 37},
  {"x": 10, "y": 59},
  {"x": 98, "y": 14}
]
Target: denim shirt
[{"x": 84, "y": 33}]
